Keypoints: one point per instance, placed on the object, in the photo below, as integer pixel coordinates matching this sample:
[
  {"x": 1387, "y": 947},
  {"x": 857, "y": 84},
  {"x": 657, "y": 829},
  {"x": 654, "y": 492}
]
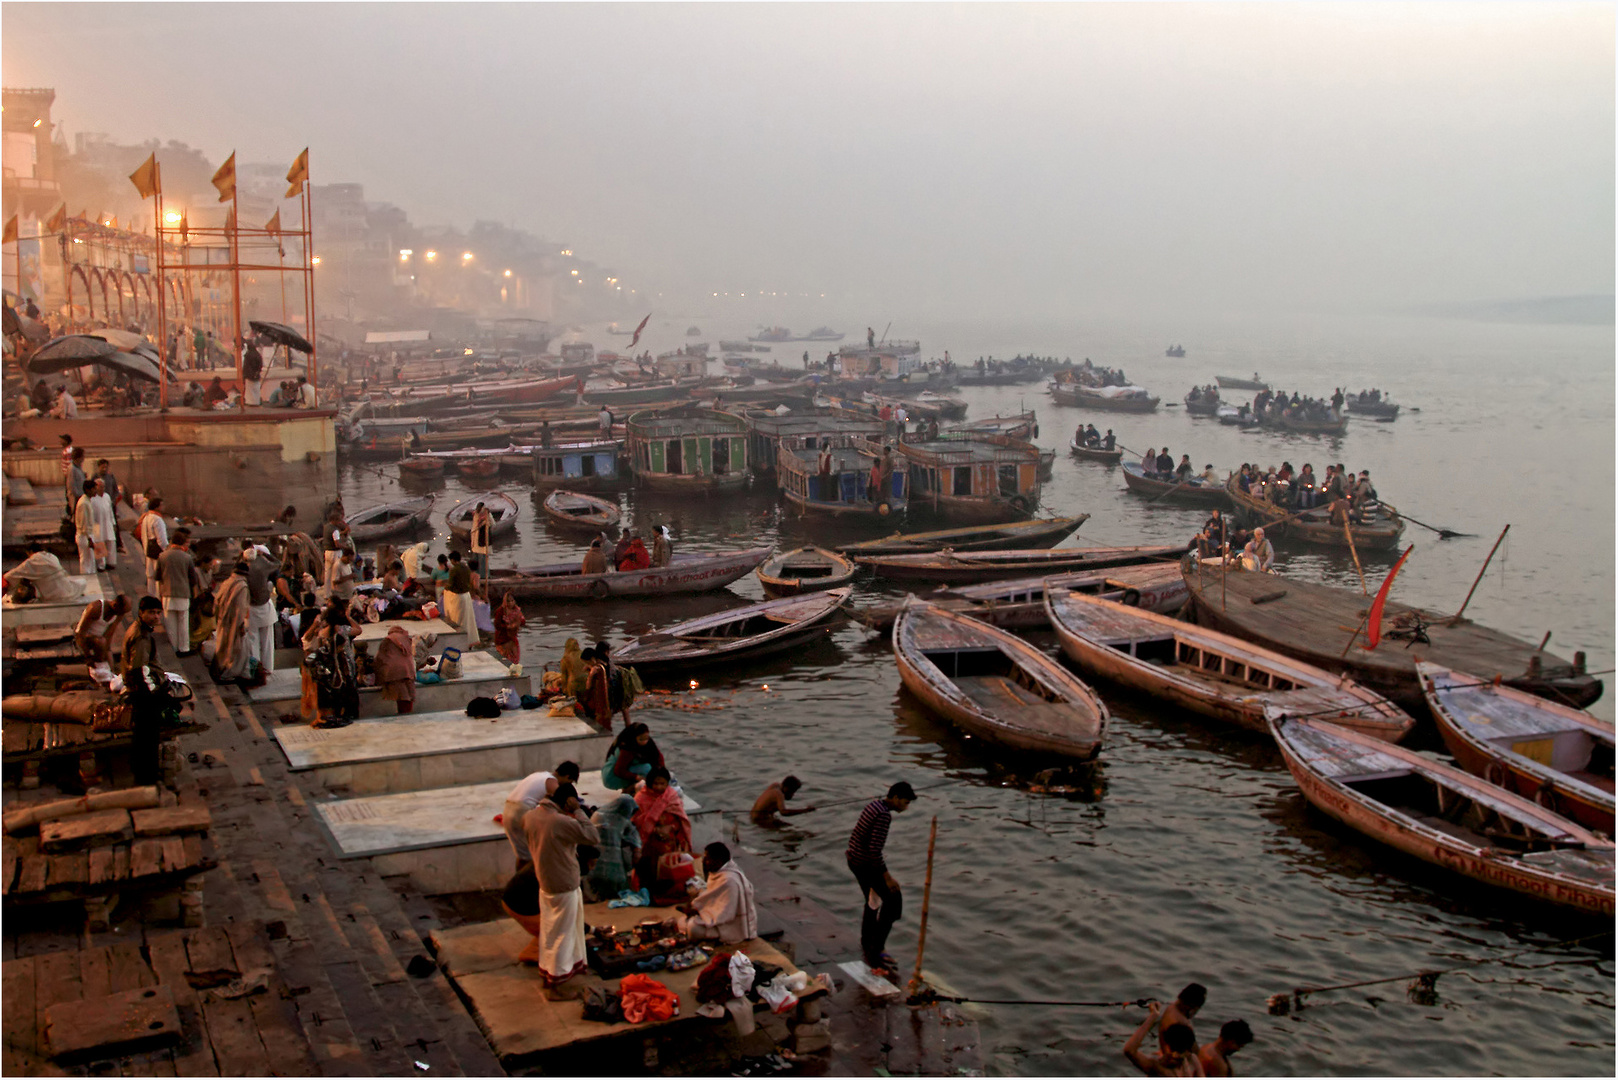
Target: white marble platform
[
  {"x": 446, "y": 839},
  {"x": 442, "y": 749},
  {"x": 482, "y": 675},
  {"x": 446, "y": 637},
  {"x": 42, "y": 613}
]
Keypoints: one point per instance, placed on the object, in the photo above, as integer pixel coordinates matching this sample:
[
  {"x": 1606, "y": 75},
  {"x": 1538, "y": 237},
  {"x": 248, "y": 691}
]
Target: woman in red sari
[
  {"x": 508, "y": 619},
  {"x": 665, "y": 829}
]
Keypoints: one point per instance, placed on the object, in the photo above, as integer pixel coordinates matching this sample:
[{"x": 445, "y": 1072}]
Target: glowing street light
[
  {"x": 508, "y": 273},
  {"x": 405, "y": 253},
  {"x": 315, "y": 260},
  {"x": 575, "y": 273},
  {"x": 466, "y": 256},
  {"x": 172, "y": 217},
  {"x": 431, "y": 255},
  {"x": 567, "y": 251}
]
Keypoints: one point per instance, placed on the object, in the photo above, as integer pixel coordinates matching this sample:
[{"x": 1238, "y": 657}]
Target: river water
[{"x": 1191, "y": 855}]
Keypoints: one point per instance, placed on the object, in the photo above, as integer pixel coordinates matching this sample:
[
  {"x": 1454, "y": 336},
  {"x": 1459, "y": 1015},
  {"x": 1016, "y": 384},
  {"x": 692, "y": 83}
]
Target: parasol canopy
[
  {"x": 282, "y": 335},
  {"x": 70, "y": 351},
  {"x": 124, "y": 339},
  {"x": 18, "y": 323},
  {"x": 136, "y": 364}
]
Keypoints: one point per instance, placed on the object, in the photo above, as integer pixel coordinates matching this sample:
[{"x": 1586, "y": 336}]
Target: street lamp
[
  {"x": 508, "y": 273},
  {"x": 466, "y": 256},
  {"x": 404, "y": 254},
  {"x": 432, "y": 255},
  {"x": 172, "y": 217},
  {"x": 315, "y": 261}
]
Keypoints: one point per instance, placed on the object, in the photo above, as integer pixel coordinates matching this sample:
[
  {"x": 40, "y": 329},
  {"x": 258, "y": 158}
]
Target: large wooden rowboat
[
  {"x": 571, "y": 510},
  {"x": 1380, "y": 532},
  {"x": 1091, "y": 453},
  {"x": 1559, "y": 757},
  {"x": 1191, "y": 493},
  {"x": 1019, "y": 604},
  {"x": 961, "y": 567},
  {"x": 686, "y": 573},
  {"x": 1040, "y": 533},
  {"x": 389, "y": 519},
  {"x": 1232, "y": 382},
  {"x": 995, "y": 685},
  {"x": 731, "y": 635},
  {"x": 1132, "y": 399},
  {"x": 1448, "y": 817},
  {"x": 422, "y": 466},
  {"x": 803, "y": 570},
  {"x": 1210, "y": 673},
  {"x": 1314, "y": 623},
  {"x": 502, "y": 510}
]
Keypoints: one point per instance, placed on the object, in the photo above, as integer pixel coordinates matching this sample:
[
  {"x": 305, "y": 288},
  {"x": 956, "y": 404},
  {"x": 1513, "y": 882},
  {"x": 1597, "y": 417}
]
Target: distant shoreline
[{"x": 1596, "y": 310}]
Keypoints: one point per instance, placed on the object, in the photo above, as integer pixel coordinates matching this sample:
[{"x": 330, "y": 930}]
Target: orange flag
[
  {"x": 145, "y": 178},
  {"x": 112, "y": 222},
  {"x": 298, "y": 175},
  {"x": 1373, "y": 621},
  {"x": 225, "y": 178},
  {"x": 274, "y": 224},
  {"x": 57, "y": 221},
  {"x": 10, "y": 235}
]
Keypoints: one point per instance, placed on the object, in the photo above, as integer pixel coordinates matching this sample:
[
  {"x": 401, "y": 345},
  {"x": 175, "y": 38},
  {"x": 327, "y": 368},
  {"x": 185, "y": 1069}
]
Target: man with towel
[{"x": 555, "y": 828}]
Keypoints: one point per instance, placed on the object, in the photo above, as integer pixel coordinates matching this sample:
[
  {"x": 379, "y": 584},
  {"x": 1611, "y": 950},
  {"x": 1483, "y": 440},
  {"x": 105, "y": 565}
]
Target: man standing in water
[
  {"x": 883, "y": 903},
  {"x": 1215, "y": 1056},
  {"x": 1179, "y": 1046},
  {"x": 773, "y": 802}
]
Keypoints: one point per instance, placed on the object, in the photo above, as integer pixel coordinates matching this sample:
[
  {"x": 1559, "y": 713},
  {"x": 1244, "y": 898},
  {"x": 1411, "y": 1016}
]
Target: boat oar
[
  {"x": 1169, "y": 492},
  {"x": 1443, "y": 534}
]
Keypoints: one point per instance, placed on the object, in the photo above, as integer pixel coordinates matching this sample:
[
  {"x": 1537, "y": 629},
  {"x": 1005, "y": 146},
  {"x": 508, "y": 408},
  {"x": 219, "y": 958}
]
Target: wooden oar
[{"x": 1443, "y": 534}]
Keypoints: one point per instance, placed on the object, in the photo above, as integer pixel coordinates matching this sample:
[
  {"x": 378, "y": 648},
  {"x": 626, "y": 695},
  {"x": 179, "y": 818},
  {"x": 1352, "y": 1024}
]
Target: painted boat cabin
[
  {"x": 587, "y": 464},
  {"x": 577, "y": 352},
  {"x": 807, "y": 428},
  {"x": 973, "y": 477},
  {"x": 847, "y": 490},
  {"x": 688, "y": 448},
  {"x": 680, "y": 365}
]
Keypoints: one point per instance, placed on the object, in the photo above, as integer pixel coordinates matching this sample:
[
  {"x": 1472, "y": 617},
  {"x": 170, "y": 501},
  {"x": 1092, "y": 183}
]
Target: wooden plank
[
  {"x": 127, "y": 969},
  {"x": 20, "y": 1038},
  {"x": 285, "y": 1045},
  {"x": 238, "y": 1051},
  {"x": 108, "y": 1025},
  {"x": 86, "y": 830},
  {"x": 145, "y": 858},
  {"x": 193, "y": 850},
  {"x": 101, "y": 865},
  {"x": 172, "y": 819},
  {"x": 173, "y": 853},
  {"x": 9, "y": 859},
  {"x": 120, "y": 862},
  {"x": 211, "y": 957},
  {"x": 56, "y": 980},
  {"x": 33, "y": 873},
  {"x": 193, "y": 1055},
  {"x": 71, "y": 869},
  {"x": 95, "y": 976}
]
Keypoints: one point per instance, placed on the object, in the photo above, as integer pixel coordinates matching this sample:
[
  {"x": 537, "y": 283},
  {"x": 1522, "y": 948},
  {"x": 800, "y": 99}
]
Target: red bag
[{"x": 644, "y": 998}]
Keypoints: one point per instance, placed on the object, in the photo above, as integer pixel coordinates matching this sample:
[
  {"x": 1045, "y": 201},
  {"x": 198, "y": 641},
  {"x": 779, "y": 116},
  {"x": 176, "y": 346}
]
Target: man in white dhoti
[
  {"x": 85, "y": 524},
  {"x": 555, "y": 828},
  {"x": 106, "y": 527},
  {"x": 44, "y": 572},
  {"x": 724, "y": 909}
]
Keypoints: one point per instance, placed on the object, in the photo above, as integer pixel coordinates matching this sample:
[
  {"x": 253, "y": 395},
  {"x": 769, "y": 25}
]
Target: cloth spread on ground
[{"x": 644, "y": 998}]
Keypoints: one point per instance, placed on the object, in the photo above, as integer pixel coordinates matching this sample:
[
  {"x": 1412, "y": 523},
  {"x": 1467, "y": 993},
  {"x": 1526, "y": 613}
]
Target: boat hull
[
  {"x": 692, "y": 484},
  {"x": 651, "y": 653},
  {"x": 687, "y": 573},
  {"x": 778, "y": 580},
  {"x": 1170, "y": 492},
  {"x": 604, "y": 515},
  {"x": 1064, "y": 394},
  {"x": 1089, "y": 453},
  {"x": 1279, "y": 524},
  {"x": 1018, "y": 536},
  {"x": 944, "y": 567},
  {"x": 415, "y": 518},
  {"x": 459, "y": 518}
]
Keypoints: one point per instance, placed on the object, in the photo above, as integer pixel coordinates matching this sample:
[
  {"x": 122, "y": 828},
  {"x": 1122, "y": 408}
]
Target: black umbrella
[
  {"x": 282, "y": 335},
  {"x": 11, "y": 324},
  {"x": 71, "y": 351},
  {"x": 18, "y": 323},
  {"x": 138, "y": 365}
]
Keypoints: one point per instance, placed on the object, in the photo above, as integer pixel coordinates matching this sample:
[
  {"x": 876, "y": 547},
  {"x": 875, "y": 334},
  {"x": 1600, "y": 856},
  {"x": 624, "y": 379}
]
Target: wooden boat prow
[
  {"x": 755, "y": 630},
  {"x": 995, "y": 685},
  {"x": 803, "y": 570},
  {"x": 502, "y": 510},
  {"x": 1560, "y": 757},
  {"x": 1447, "y": 817},
  {"x": 389, "y": 519},
  {"x": 574, "y": 510}
]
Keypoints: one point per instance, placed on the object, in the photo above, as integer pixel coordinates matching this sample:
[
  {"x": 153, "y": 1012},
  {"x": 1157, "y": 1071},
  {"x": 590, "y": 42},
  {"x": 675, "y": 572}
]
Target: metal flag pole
[
  {"x": 236, "y": 284},
  {"x": 162, "y": 292}
]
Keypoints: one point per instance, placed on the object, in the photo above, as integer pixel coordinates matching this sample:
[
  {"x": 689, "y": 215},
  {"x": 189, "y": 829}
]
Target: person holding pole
[{"x": 884, "y": 905}]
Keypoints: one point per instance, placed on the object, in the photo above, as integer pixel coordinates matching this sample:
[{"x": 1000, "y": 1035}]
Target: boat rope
[
  {"x": 931, "y": 996},
  {"x": 856, "y": 798}
]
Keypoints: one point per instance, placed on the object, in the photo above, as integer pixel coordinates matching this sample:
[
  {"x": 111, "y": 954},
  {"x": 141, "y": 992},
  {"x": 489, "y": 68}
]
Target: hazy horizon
[{"x": 919, "y": 159}]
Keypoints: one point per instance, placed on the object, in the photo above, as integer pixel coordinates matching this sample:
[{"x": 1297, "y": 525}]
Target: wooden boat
[
  {"x": 1210, "y": 673},
  {"x": 1231, "y": 382},
  {"x": 805, "y": 569},
  {"x": 1193, "y": 492},
  {"x": 1314, "y": 623},
  {"x": 994, "y": 685},
  {"x": 422, "y": 466},
  {"x": 1023, "y": 425},
  {"x": 1379, "y": 532},
  {"x": 1447, "y": 817},
  {"x": 1381, "y": 408},
  {"x": 1202, "y": 404},
  {"x": 478, "y": 467},
  {"x": 502, "y": 510},
  {"x": 1559, "y": 757},
  {"x": 1019, "y": 604},
  {"x": 1235, "y": 416},
  {"x": 952, "y": 566},
  {"x": 756, "y": 630},
  {"x": 1092, "y": 453},
  {"x": 1040, "y": 533},
  {"x": 389, "y": 519},
  {"x": 1302, "y": 426},
  {"x": 686, "y": 573},
  {"x": 1133, "y": 399},
  {"x": 571, "y": 510}
]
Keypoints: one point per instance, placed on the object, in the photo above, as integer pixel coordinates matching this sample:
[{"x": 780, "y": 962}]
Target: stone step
[
  {"x": 439, "y": 749},
  {"x": 445, "y": 636},
  {"x": 482, "y": 675},
  {"x": 50, "y": 613},
  {"x": 446, "y": 840}
]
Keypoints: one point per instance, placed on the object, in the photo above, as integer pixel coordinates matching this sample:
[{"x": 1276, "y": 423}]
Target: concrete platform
[
  {"x": 505, "y": 997},
  {"x": 441, "y": 749},
  {"x": 40, "y": 613},
  {"x": 445, "y": 839},
  {"x": 445, "y": 636},
  {"x": 482, "y": 675}
]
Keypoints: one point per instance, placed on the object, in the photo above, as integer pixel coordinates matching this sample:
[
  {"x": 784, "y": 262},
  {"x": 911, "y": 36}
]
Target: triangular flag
[
  {"x": 84, "y": 215},
  {"x": 101, "y": 217},
  {"x": 185, "y": 228},
  {"x": 57, "y": 221},
  {"x": 636, "y": 339},
  {"x": 145, "y": 178},
  {"x": 10, "y": 236},
  {"x": 298, "y": 174},
  {"x": 274, "y": 224},
  {"x": 1373, "y": 620},
  {"x": 112, "y": 222},
  {"x": 225, "y": 178}
]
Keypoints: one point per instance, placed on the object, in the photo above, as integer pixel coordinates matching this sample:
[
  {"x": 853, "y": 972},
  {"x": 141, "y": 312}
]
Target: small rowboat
[
  {"x": 1210, "y": 673},
  {"x": 502, "y": 509},
  {"x": 951, "y": 566},
  {"x": 1193, "y": 492},
  {"x": 1561, "y": 758},
  {"x": 1379, "y": 531},
  {"x": 478, "y": 467},
  {"x": 995, "y": 685},
  {"x": 751, "y": 631},
  {"x": 805, "y": 569},
  {"x": 389, "y": 519},
  {"x": 1039, "y": 533},
  {"x": 1381, "y": 409},
  {"x": 1019, "y": 604},
  {"x": 1202, "y": 404},
  {"x": 1444, "y": 816},
  {"x": 1231, "y": 382},
  {"x": 571, "y": 510},
  {"x": 422, "y": 466},
  {"x": 686, "y": 573},
  {"x": 1094, "y": 453},
  {"x": 1304, "y": 426},
  {"x": 1111, "y": 398}
]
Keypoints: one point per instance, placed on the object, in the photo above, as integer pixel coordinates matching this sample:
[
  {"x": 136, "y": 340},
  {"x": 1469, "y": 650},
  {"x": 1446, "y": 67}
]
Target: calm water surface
[{"x": 1191, "y": 855}]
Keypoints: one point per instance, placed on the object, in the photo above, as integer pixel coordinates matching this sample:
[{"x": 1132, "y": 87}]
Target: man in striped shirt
[{"x": 883, "y": 903}]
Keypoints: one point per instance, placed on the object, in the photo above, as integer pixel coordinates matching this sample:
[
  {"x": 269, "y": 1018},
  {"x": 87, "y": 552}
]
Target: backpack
[{"x": 483, "y": 708}]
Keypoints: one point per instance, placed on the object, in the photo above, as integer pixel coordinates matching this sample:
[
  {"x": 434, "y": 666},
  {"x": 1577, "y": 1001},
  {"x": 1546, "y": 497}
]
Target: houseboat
[
  {"x": 809, "y": 428},
  {"x": 847, "y": 491},
  {"x": 688, "y": 449},
  {"x": 579, "y": 466},
  {"x": 577, "y": 352},
  {"x": 681, "y": 365},
  {"x": 961, "y": 476}
]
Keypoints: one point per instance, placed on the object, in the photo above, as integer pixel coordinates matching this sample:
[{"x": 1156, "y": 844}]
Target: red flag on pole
[
  {"x": 1373, "y": 621},
  {"x": 636, "y": 339}
]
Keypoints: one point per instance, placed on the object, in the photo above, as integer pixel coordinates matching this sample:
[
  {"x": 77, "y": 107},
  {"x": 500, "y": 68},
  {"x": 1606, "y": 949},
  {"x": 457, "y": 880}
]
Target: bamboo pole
[
  {"x": 926, "y": 902},
  {"x": 1348, "y": 534},
  {"x": 1455, "y": 618}
]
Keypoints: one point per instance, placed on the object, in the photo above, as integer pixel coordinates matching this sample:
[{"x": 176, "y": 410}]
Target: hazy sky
[{"x": 931, "y": 158}]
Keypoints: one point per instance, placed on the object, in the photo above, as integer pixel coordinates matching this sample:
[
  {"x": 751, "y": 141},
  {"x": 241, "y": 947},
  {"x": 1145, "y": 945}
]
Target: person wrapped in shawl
[
  {"x": 573, "y": 669},
  {"x": 44, "y": 571},
  {"x": 508, "y": 619},
  {"x": 396, "y": 668},
  {"x": 665, "y": 829},
  {"x": 633, "y": 757},
  {"x": 231, "y": 612},
  {"x": 329, "y": 665},
  {"x": 620, "y": 847}
]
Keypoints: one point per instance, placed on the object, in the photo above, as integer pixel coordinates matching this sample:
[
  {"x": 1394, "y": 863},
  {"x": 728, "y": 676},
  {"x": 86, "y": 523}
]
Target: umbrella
[
  {"x": 124, "y": 339},
  {"x": 11, "y": 323},
  {"x": 71, "y": 351},
  {"x": 137, "y": 365},
  {"x": 282, "y": 335},
  {"x": 18, "y": 323}
]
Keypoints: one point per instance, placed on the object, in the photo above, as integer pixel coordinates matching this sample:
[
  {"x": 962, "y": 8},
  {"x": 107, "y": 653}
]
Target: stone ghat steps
[
  {"x": 482, "y": 675},
  {"x": 438, "y": 750},
  {"x": 444, "y": 635}
]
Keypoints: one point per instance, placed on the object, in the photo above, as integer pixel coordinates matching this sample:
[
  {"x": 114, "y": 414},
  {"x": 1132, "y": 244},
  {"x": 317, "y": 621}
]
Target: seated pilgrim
[{"x": 724, "y": 909}]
